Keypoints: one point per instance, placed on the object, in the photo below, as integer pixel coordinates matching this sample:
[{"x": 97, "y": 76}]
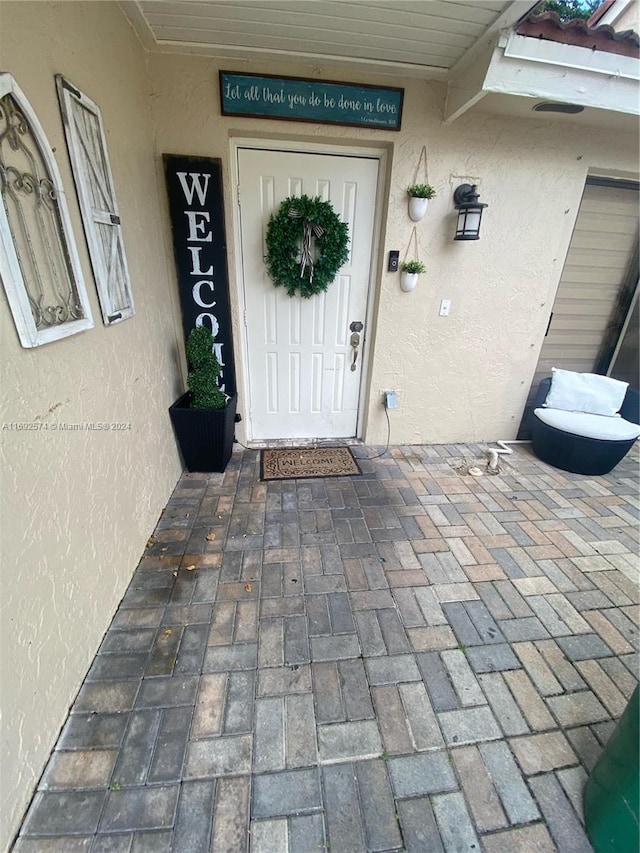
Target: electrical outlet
[
  {"x": 445, "y": 307},
  {"x": 390, "y": 400}
]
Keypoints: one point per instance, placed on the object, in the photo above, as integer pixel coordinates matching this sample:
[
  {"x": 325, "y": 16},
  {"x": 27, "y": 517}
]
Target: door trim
[{"x": 308, "y": 147}]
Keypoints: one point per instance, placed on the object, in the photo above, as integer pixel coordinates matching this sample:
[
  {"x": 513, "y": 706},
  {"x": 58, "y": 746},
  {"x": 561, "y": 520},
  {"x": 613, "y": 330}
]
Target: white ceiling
[{"x": 422, "y": 38}]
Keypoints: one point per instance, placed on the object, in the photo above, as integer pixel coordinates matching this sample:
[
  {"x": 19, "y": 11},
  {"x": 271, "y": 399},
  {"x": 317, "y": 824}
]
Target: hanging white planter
[
  {"x": 417, "y": 207},
  {"x": 408, "y": 281}
]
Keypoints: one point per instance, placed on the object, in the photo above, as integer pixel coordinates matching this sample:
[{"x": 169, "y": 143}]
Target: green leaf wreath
[{"x": 290, "y": 232}]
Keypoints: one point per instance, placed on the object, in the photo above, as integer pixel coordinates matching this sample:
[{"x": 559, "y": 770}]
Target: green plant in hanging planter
[
  {"x": 412, "y": 267},
  {"x": 421, "y": 191},
  {"x": 204, "y": 371}
]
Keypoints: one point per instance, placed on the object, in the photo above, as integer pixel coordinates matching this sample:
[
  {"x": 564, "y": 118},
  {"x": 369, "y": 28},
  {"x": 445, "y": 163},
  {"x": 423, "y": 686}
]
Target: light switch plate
[{"x": 445, "y": 306}]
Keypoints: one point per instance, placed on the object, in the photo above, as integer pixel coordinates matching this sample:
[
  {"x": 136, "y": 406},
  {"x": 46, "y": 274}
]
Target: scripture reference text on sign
[
  {"x": 301, "y": 99},
  {"x": 194, "y": 186}
]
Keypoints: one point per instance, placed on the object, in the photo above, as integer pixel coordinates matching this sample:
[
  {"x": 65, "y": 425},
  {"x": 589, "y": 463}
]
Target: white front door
[{"x": 299, "y": 353}]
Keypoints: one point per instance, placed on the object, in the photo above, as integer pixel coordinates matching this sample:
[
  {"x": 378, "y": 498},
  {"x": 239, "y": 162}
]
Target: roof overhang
[{"x": 546, "y": 71}]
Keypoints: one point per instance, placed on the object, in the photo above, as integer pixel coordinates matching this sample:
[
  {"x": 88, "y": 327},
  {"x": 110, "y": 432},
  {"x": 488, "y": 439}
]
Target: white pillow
[{"x": 585, "y": 392}]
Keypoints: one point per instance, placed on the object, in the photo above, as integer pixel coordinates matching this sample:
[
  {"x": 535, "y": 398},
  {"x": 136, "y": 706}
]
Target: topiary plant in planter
[
  {"x": 204, "y": 418},
  {"x": 204, "y": 371}
]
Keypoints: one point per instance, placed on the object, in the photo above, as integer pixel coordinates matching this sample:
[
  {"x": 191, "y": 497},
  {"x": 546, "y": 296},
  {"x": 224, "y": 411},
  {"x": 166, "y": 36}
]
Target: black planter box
[{"x": 205, "y": 436}]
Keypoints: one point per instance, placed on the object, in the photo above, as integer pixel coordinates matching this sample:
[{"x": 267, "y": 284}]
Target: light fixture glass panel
[{"x": 473, "y": 221}]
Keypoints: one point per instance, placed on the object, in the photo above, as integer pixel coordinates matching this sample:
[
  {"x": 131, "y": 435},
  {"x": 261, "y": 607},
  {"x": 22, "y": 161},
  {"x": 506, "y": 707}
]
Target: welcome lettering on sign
[{"x": 194, "y": 186}]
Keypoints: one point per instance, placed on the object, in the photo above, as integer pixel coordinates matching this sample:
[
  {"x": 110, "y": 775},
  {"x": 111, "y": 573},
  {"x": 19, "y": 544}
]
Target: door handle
[{"x": 355, "y": 343}]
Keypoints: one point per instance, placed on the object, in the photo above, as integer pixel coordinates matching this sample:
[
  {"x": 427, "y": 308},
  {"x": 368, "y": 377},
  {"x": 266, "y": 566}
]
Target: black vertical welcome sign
[{"x": 194, "y": 186}]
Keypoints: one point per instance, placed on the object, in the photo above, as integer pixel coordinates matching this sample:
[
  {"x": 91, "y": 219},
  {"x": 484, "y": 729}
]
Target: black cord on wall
[{"x": 386, "y": 411}]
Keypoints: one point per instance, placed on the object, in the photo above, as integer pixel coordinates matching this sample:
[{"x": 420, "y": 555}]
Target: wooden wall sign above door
[{"x": 303, "y": 99}]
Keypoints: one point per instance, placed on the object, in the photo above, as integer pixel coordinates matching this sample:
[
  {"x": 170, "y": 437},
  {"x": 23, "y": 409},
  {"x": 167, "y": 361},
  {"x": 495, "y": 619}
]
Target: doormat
[{"x": 288, "y": 463}]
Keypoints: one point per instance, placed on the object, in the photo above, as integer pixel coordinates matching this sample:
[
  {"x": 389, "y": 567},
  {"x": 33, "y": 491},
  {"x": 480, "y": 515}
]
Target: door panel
[
  {"x": 602, "y": 246},
  {"x": 298, "y": 350}
]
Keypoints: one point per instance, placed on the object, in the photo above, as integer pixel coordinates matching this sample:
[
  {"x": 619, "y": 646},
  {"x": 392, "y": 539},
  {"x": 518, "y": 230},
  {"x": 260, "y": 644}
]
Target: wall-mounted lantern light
[{"x": 469, "y": 212}]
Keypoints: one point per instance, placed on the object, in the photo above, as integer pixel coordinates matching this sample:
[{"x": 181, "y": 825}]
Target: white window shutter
[{"x": 94, "y": 184}]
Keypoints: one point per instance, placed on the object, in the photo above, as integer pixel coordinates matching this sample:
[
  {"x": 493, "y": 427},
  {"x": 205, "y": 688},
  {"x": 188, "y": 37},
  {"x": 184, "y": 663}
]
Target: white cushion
[
  {"x": 585, "y": 392},
  {"x": 589, "y": 426}
]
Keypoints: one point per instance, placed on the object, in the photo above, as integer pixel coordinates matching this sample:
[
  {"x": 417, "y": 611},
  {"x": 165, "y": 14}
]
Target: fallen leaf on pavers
[
  {"x": 248, "y": 587},
  {"x": 168, "y": 632},
  {"x": 211, "y": 537},
  {"x": 163, "y": 549},
  {"x": 150, "y": 542},
  {"x": 190, "y": 568},
  {"x": 175, "y": 574}
]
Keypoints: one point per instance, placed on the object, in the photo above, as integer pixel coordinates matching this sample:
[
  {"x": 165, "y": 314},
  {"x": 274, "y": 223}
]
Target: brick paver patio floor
[{"x": 412, "y": 659}]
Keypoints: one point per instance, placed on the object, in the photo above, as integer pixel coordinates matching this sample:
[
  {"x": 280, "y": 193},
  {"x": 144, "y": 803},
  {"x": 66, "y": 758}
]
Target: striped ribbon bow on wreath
[{"x": 300, "y": 226}]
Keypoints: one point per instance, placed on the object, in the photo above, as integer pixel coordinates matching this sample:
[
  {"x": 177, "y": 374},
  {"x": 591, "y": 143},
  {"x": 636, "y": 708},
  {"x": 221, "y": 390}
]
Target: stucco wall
[
  {"x": 464, "y": 377},
  {"x": 78, "y": 507},
  {"x": 628, "y": 19}
]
